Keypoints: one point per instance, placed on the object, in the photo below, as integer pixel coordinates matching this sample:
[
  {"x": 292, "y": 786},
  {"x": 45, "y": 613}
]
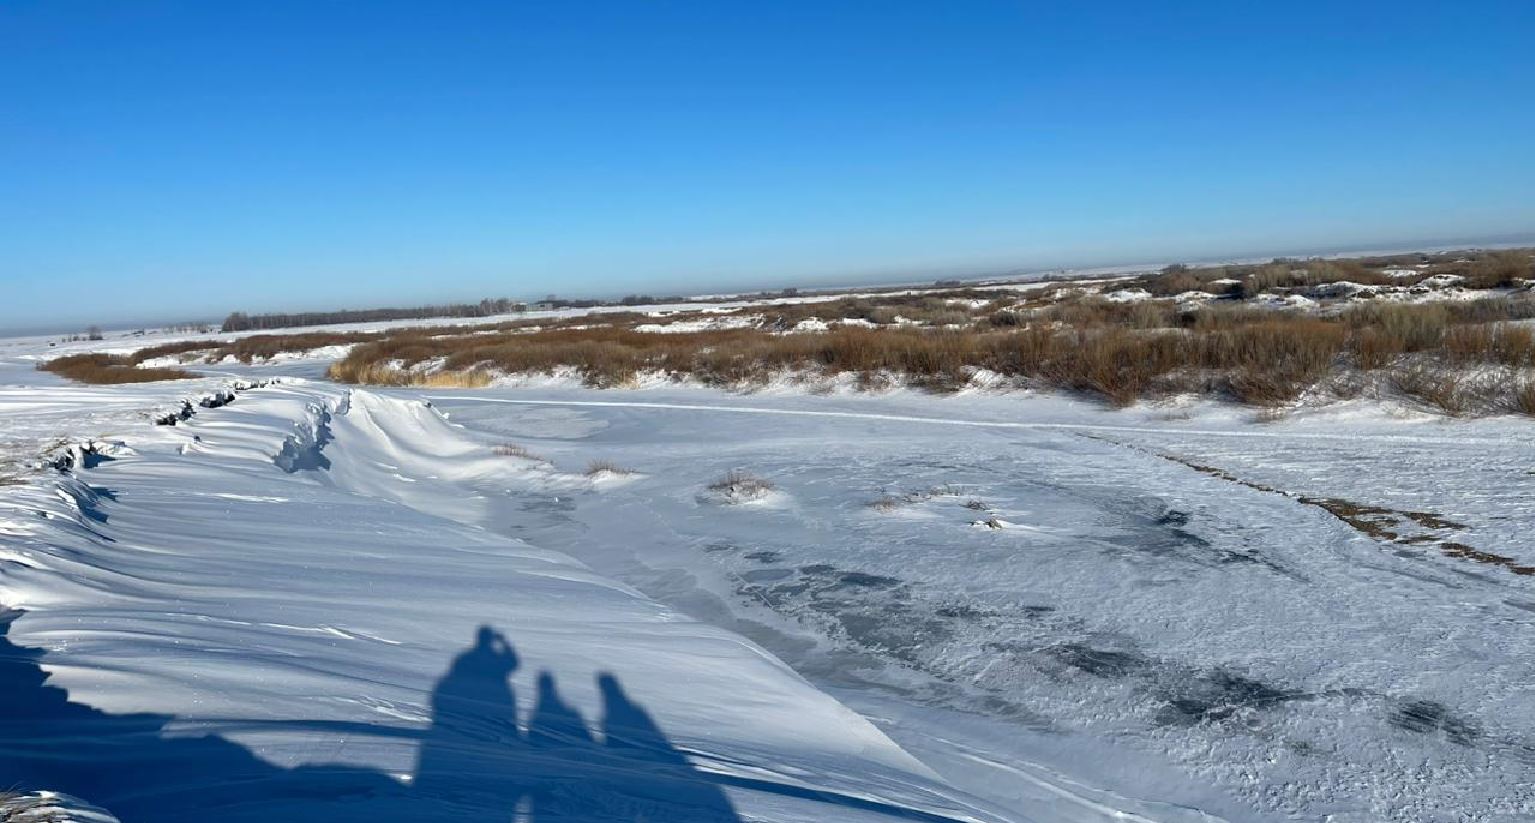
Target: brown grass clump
[
  {"x": 598, "y": 467},
  {"x": 741, "y": 485},
  {"x": 173, "y": 349},
  {"x": 109, "y": 368},
  {"x": 1375, "y": 349},
  {"x": 1274, "y": 362},
  {"x": 381, "y": 374},
  {"x": 1092, "y": 310},
  {"x": 514, "y": 450},
  {"x": 471, "y": 379},
  {"x": 1491, "y": 343},
  {"x": 1493, "y": 309},
  {"x": 1500, "y": 269},
  {"x": 1413, "y": 327}
]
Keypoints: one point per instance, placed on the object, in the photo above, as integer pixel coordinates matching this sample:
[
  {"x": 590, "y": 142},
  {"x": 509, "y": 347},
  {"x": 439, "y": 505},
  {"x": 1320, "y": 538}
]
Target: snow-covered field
[{"x": 319, "y": 603}]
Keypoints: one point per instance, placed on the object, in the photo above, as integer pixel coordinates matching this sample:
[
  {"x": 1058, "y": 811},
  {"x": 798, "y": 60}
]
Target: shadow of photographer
[{"x": 475, "y": 761}]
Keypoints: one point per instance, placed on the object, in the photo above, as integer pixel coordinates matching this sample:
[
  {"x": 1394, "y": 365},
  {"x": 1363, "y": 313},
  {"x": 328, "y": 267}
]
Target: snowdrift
[{"x": 253, "y": 616}]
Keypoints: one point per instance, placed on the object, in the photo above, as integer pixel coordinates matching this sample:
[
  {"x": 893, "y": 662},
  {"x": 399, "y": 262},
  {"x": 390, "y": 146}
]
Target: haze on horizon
[{"x": 182, "y": 159}]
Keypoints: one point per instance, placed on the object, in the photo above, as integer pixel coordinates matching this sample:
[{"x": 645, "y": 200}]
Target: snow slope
[{"x": 236, "y": 619}]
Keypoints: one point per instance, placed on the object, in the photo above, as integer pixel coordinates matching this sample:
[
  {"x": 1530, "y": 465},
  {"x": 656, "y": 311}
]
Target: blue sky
[{"x": 181, "y": 159}]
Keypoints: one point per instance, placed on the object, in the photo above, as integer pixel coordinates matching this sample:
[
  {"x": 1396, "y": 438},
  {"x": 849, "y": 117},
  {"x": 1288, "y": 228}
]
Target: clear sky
[{"x": 182, "y": 159}]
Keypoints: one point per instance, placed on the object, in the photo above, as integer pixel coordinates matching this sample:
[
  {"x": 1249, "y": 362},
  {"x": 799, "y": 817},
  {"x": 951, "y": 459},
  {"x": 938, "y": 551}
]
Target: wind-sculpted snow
[{"x": 198, "y": 634}]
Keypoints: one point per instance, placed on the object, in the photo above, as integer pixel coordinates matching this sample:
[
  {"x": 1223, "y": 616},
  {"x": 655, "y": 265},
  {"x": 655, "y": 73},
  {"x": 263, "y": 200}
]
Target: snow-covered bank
[{"x": 237, "y": 616}]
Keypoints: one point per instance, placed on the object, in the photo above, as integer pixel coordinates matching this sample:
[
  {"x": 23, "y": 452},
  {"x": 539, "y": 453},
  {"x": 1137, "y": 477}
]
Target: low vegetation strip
[
  {"x": 1442, "y": 330},
  {"x": 1256, "y": 357},
  {"x": 109, "y": 368},
  {"x": 130, "y": 368}
]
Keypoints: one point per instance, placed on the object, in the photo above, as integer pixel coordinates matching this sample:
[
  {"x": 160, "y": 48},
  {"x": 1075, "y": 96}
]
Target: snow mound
[
  {"x": 1283, "y": 301},
  {"x": 701, "y": 324},
  {"x": 1439, "y": 281},
  {"x": 1127, "y": 296}
]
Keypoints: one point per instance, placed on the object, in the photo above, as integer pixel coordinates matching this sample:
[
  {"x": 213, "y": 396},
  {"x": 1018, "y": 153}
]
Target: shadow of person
[
  {"x": 563, "y": 759},
  {"x": 473, "y": 764},
  {"x": 645, "y": 777},
  {"x": 473, "y": 753}
]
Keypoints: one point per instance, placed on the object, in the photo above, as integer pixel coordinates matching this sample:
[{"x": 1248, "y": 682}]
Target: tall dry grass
[
  {"x": 109, "y": 368},
  {"x": 1262, "y": 363}
]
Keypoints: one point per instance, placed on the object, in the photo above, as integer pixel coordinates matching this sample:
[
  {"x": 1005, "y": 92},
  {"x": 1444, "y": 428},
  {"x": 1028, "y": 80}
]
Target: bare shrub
[
  {"x": 1172, "y": 281},
  {"x": 1006, "y": 318},
  {"x": 1442, "y": 388},
  {"x": 1522, "y": 397}
]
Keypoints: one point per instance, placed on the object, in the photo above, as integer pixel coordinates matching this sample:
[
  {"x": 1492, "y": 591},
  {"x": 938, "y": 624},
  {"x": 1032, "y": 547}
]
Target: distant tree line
[
  {"x": 240, "y": 321},
  {"x": 92, "y": 333}
]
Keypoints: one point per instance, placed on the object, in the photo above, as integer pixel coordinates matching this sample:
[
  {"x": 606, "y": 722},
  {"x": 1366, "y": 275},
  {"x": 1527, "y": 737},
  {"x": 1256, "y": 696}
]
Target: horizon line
[{"x": 968, "y": 276}]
